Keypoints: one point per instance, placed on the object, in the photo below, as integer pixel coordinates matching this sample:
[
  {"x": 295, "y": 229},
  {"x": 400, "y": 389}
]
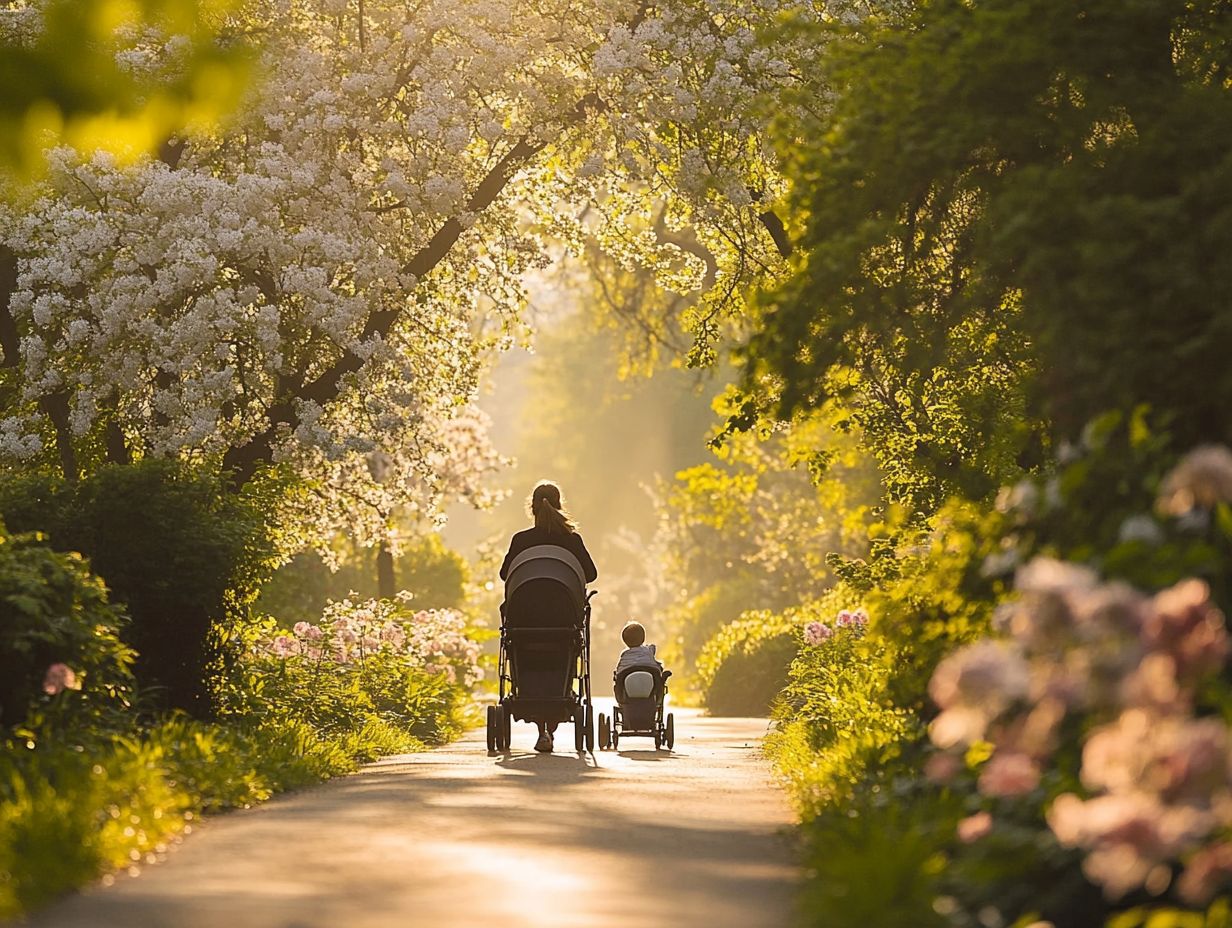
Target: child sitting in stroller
[
  {"x": 636, "y": 653},
  {"x": 640, "y": 684}
]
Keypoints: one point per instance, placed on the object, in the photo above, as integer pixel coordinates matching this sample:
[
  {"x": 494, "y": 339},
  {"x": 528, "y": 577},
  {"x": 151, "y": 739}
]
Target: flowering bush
[
  {"x": 1088, "y": 740},
  {"x": 1153, "y": 785},
  {"x": 433, "y": 640},
  {"x": 833, "y": 713},
  {"x": 362, "y": 660}
]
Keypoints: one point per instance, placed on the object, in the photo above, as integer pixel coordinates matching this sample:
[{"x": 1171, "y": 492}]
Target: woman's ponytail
[{"x": 547, "y": 510}]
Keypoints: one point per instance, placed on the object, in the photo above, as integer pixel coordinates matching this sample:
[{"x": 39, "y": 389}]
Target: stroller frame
[
  {"x": 627, "y": 721},
  {"x": 555, "y": 563}
]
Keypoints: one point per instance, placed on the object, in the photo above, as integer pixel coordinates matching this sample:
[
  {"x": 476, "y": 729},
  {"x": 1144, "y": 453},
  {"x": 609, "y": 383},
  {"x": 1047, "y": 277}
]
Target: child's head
[{"x": 633, "y": 634}]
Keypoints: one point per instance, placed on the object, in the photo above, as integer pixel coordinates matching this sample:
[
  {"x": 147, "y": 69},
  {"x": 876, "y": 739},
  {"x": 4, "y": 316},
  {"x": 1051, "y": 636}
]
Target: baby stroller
[
  {"x": 544, "y": 647},
  {"x": 640, "y": 695}
]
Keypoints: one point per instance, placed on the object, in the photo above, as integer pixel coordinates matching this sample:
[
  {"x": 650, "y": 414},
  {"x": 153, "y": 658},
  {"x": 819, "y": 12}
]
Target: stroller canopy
[{"x": 546, "y": 586}]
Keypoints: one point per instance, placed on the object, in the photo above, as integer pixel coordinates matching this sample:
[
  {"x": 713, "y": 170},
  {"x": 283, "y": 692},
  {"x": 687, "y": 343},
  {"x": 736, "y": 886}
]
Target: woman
[{"x": 553, "y": 526}]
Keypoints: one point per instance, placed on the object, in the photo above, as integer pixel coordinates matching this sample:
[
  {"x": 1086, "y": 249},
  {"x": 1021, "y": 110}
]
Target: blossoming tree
[{"x": 318, "y": 281}]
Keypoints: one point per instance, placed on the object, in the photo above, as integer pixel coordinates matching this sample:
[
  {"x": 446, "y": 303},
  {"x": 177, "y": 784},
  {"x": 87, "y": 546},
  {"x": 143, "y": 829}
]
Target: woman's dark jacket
[{"x": 534, "y": 536}]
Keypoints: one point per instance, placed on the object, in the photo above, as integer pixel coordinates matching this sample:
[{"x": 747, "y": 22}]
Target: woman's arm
[
  {"x": 504, "y": 571},
  {"x": 588, "y": 565}
]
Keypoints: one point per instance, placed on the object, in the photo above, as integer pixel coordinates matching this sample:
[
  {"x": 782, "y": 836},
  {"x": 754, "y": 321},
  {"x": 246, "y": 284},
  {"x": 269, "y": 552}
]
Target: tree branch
[
  {"x": 242, "y": 461},
  {"x": 778, "y": 232}
]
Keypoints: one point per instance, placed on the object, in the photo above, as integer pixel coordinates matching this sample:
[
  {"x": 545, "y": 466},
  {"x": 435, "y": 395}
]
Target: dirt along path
[{"x": 458, "y": 837}]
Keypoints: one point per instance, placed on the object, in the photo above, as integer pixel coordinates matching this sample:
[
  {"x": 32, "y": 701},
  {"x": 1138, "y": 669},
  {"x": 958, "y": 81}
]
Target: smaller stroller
[{"x": 640, "y": 695}]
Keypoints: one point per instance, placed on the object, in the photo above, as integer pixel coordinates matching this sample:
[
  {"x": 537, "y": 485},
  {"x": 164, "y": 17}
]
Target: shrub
[
  {"x": 68, "y": 815},
  {"x": 744, "y": 666},
  {"x": 375, "y": 660},
  {"x": 60, "y": 652},
  {"x": 178, "y": 549},
  {"x": 876, "y": 861},
  {"x": 835, "y": 722}
]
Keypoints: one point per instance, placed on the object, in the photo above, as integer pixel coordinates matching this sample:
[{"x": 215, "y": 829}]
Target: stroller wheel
[
  {"x": 602, "y": 732},
  {"x": 501, "y": 719},
  {"x": 491, "y": 728},
  {"x": 579, "y": 729},
  {"x": 590, "y": 729},
  {"x": 671, "y": 731},
  {"x": 658, "y": 733}
]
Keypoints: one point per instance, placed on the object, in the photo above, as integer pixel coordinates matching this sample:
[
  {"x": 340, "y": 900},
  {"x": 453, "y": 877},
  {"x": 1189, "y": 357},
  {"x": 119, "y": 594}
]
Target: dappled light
[{"x": 701, "y": 463}]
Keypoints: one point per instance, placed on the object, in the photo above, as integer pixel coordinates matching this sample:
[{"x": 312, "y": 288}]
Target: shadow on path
[{"x": 455, "y": 837}]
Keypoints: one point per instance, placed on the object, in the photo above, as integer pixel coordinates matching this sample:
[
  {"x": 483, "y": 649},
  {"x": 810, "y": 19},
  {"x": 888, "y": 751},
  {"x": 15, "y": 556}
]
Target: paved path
[{"x": 457, "y": 837}]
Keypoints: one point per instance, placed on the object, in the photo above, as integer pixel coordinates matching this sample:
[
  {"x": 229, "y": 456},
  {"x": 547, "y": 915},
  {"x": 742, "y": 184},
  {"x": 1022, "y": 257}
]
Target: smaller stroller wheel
[
  {"x": 605, "y": 732},
  {"x": 671, "y": 731},
  {"x": 614, "y": 741},
  {"x": 658, "y": 733},
  {"x": 491, "y": 732}
]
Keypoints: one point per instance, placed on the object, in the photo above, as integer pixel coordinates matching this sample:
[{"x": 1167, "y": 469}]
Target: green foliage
[
  {"x": 1100, "y": 507},
  {"x": 1219, "y": 915},
  {"x": 181, "y": 553},
  {"x": 69, "y": 814},
  {"x": 1009, "y": 223},
  {"x": 68, "y": 78},
  {"x": 53, "y": 611},
  {"x": 432, "y": 573},
  {"x": 938, "y": 596},
  {"x": 876, "y": 861},
  {"x": 744, "y": 666},
  {"x": 758, "y": 528}
]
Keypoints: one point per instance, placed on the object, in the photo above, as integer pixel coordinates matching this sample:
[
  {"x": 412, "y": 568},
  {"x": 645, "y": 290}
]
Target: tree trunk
[
  {"x": 55, "y": 407},
  {"x": 386, "y": 579}
]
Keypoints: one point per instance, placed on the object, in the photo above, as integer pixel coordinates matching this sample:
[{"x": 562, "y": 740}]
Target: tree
[
  {"x": 1011, "y": 222},
  {"x": 305, "y": 285}
]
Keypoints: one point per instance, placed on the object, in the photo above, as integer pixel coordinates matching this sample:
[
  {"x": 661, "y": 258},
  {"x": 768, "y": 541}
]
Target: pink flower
[
  {"x": 1128, "y": 836},
  {"x": 942, "y": 768},
  {"x": 988, "y": 675},
  {"x": 1187, "y": 625},
  {"x": 1009, "y": 775},
  {"x": 283, "y": 646},
  {"x": 816, "y": 632},
  {"x": 313, "y": 633},
  {"x": 60, "y": 677},
  {"x": 1207, "y": 873},
  {"x": 960, "y": 725},
  {"x": 1202, "y": 479},
  {"x": 844, "y": 619},
  {"x": 974, "y": 827},
  {"x": 301, "y": 629}
]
